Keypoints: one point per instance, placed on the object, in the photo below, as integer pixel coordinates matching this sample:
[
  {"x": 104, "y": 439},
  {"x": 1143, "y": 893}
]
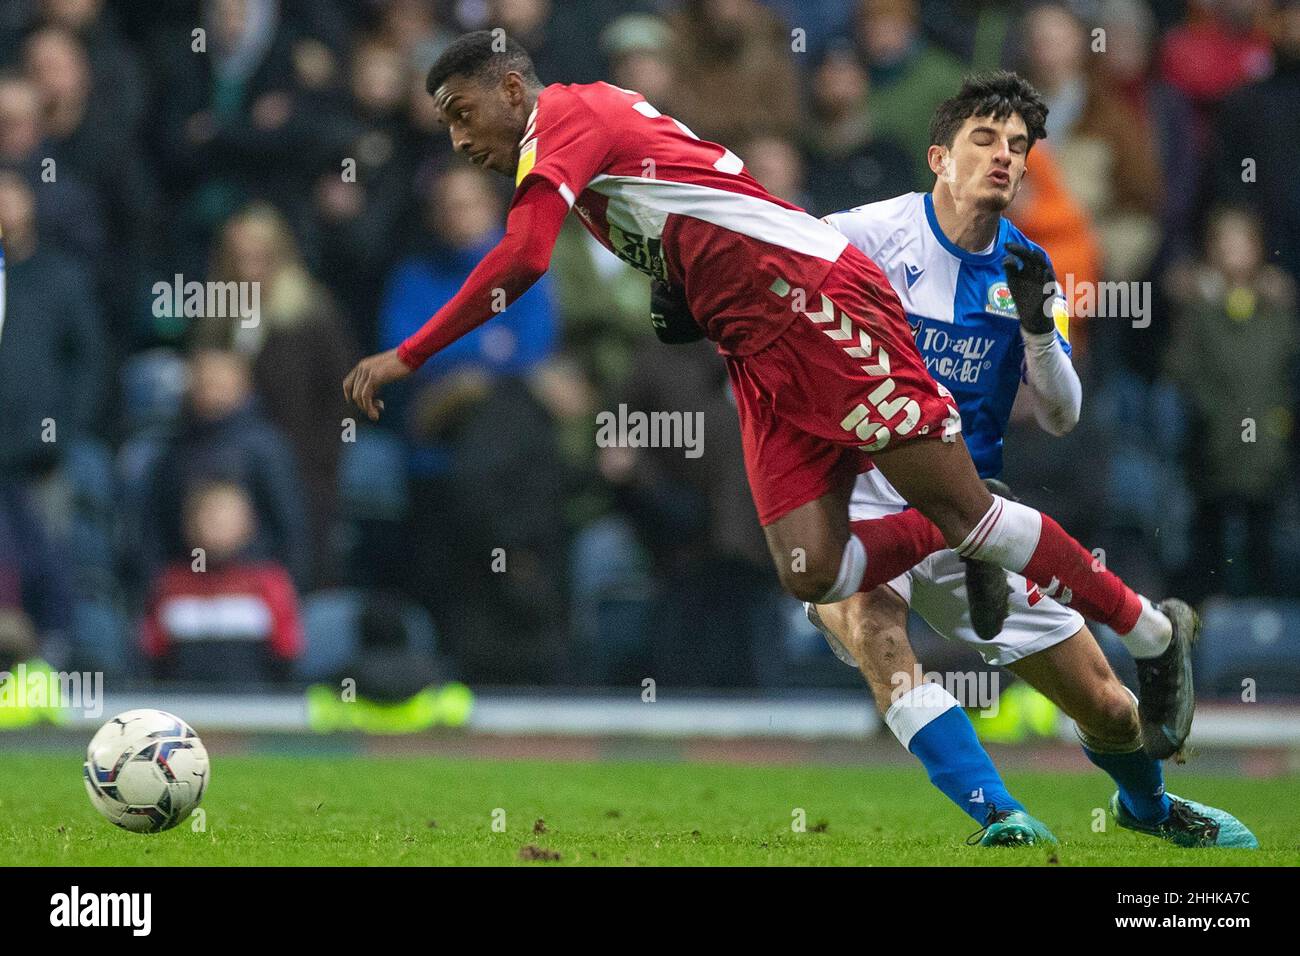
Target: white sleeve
[
  {"x": 868, "y": 228},
  {"x": 856, "y": 227},
  {"x": 1055, "y": 390}
]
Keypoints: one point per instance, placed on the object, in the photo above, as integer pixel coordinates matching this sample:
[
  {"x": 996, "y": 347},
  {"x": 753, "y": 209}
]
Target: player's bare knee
[
  {"x": 1121, "y": 711},
  {"x": 808, "y": 581},
  {"x": 1113, "y": 716},
  {"x": 807, "y": 547}
]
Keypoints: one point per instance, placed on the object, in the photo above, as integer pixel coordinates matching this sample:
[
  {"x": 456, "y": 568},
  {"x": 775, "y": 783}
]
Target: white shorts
[{"x": 936, "y": 590}]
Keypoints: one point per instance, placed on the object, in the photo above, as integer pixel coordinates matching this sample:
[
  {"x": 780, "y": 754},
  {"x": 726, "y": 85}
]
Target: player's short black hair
[
  {"x": 997, "y": 93},
  {"x": 483, "y": 55}
]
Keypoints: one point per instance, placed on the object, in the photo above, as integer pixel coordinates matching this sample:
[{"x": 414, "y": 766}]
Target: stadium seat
[
  {"x": 153, "y": 387},
  {"x": 1146, "y": 490},
  {"x": 100, "y": 636},
  {"x": 1148, "y": 494},
  {"x": 136, "y": 460},
  {"x": 88, "y": 469},
  {"x": 91, "y": 547},
  {"x": 1287, "y": 536},
  {"x": 372, "y": 477},
  {"x": 135, "y": 464},
  {"x": 1134, "y": 472},
  {"x": 1120, "y": 401},
  {"x": 332, "y": 626},
  {"x": 1249, "y": 638},
  {"x": 88, "y": 464},
  {"x": 1168, "y": 418},
  {"x": 605, "y": 555},
  {"x": 618, "y": 650}
]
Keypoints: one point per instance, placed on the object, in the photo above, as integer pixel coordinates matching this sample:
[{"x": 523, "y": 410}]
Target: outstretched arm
[
  {"x": 504, "y": 274},
  {"x": 1053, "y": 382}
]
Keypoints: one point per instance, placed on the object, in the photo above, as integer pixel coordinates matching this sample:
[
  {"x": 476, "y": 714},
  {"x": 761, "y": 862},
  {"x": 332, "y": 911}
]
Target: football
[{"x": 146, "y": 770}]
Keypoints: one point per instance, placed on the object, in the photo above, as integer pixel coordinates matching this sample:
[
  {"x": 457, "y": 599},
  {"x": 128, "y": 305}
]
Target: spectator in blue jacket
[{"x": 462, "y": 222}]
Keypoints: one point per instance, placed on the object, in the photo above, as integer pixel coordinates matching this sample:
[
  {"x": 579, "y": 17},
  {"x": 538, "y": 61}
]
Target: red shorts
[{"x": 844, "y": 380}]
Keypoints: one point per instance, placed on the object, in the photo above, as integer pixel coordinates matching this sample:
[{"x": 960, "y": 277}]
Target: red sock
[
  {"x": 1095, "y": 593},
  {"x": 895, "y": 543}
]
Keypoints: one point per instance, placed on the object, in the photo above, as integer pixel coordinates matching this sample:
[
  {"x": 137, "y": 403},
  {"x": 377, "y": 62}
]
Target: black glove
[
  {"x": 1033, "y": 287},
  {"x": 671, "y": 316}
]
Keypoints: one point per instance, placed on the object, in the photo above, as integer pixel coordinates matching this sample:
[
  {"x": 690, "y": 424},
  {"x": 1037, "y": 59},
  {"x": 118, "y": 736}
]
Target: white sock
[
  {"x": 1151, "y": 634},
  {"x": 920, "y": 705},
  {"x": 853, "y": 566},
  {"x": 1007, "y": 535}
]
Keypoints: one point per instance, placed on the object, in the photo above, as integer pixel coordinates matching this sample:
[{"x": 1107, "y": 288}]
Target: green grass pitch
[{"x": 350, "y": 811}]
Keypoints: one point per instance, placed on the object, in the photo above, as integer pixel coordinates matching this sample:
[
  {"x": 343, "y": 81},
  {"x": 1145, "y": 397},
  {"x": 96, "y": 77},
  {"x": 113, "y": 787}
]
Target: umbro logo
[
  {"x": 977, "y": 796},
  {"x": 913, "y": 273}
]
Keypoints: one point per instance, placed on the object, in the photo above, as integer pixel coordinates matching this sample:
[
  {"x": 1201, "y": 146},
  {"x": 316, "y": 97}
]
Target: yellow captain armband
[
  {"x": 1061, "y": 317},
  {"x": 527, "y": 159}
]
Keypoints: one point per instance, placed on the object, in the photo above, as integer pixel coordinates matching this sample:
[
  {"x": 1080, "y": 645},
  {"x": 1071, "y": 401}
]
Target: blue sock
[
  {"x": 958, "y": 765},
  {"x": 1141, "y": 782}
]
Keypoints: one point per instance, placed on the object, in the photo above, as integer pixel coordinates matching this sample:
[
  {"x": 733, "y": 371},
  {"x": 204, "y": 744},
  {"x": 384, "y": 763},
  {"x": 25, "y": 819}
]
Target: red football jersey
[
  {"x": 677, "y": 208},
  {"x": 253, "y": 601}
]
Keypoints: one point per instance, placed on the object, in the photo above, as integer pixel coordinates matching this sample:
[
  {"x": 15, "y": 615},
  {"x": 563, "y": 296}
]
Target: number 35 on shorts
[{"x": 875, "y": 433}]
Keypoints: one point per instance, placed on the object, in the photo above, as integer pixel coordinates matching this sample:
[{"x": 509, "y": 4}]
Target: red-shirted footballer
[{"x": 826, "y": 376}]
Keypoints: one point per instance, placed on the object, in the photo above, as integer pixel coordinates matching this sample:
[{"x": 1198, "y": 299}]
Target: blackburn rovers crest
[{"x": 1000, "y": 301}]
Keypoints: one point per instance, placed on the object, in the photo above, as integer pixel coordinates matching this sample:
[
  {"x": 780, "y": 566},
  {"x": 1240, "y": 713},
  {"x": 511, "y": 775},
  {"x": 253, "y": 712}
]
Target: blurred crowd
[{"x": 184, "y": 494}]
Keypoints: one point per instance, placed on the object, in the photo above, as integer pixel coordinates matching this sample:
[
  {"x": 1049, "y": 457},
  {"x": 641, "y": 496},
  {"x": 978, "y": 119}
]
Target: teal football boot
[
  {"x": 1189, "y": 824},
  {"x": 1011, "y": 828}
]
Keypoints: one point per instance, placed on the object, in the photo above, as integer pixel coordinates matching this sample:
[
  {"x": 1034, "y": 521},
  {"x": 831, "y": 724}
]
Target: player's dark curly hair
[
  {"x": 998, "y": 94},
  {"x": 484, "y": 55}
]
